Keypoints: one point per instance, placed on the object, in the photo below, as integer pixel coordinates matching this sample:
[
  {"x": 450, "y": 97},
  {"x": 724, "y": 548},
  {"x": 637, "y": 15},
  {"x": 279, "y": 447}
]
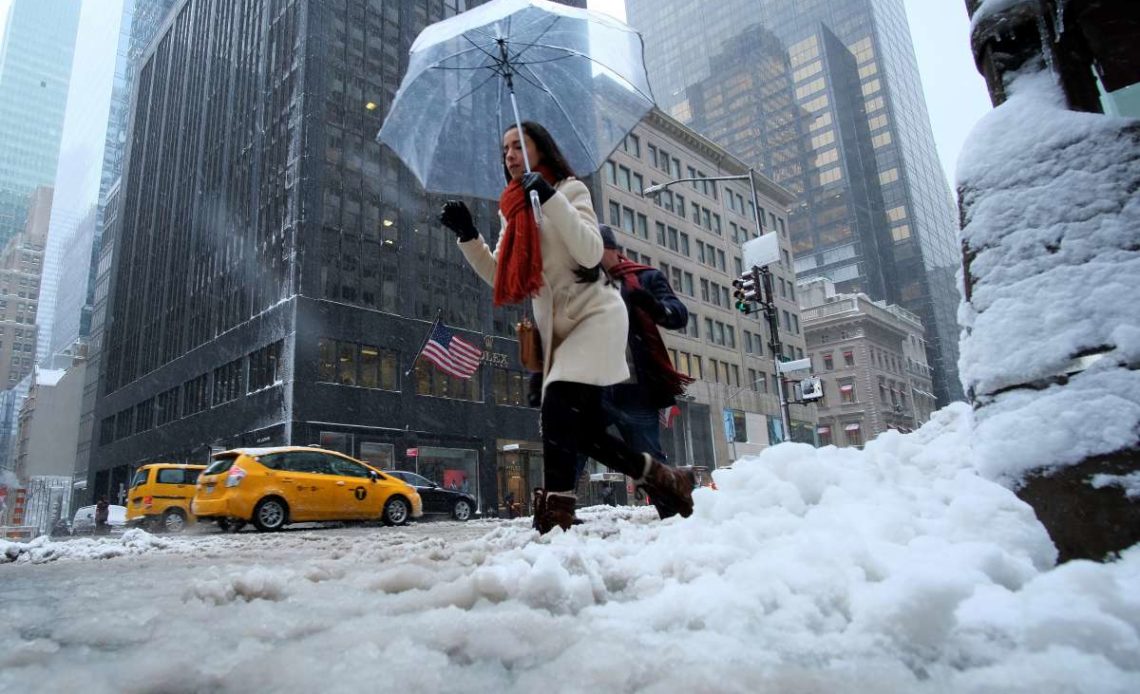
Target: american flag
[
  {"x": 665, "y": 416},
  {"x": 452, "y": 355}
]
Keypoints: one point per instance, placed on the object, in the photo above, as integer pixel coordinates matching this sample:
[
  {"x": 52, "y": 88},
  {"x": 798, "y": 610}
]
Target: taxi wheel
[
  {"x": 173, "y": 521},
  {"x": 396, "y": 511},
  {"x": 271, "y": 514},
  {"x": 462, "y": 510}
]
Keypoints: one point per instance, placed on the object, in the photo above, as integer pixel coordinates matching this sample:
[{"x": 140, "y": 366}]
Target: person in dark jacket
[
  {"x": 633, "y": 406},
  {"x": 102, "y": 516}
]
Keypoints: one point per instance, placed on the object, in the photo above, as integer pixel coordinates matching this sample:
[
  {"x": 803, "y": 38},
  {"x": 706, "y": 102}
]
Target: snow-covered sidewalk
[{"x": 894, "y": 569}]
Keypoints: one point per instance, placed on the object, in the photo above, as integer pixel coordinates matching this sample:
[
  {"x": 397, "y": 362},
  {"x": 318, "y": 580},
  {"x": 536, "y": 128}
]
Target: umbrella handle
[{"x": 536, "y": 207}]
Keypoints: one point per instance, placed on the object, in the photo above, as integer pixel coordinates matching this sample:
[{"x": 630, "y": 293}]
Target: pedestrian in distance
[
  {"x": 579, "y": 315},
  {"x": 102, "y": 515}
]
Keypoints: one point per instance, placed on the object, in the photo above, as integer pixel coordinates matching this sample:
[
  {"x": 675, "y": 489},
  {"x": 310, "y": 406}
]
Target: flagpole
[{"x": 431, "y": 329}]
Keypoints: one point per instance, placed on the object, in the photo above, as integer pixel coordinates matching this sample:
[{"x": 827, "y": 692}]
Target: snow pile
[
  {"x": 1051, "y": 212},
  {"x": 989, "y": 8},
  {"x": 43, "y": 549},
  {"x": 893, "y": 569}
]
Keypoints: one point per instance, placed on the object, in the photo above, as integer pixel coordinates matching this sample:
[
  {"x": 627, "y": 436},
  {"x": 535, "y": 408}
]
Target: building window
[
  {"x": 854, "y": 434},
  {"x": 847, "y": 392},
  {"x": 194, "y": 395},
  {"x": 451, "y": 468},
  {"x": 346, "y": 357},
  {"x": 740, "y": 427},
  {"x": 378, "y": 455},
  {"x": 509, "y": 387},
  {"x": 167, "y": 406},
  {"x": 228, "y": 383},
  {"x": 848, "y": 358},
  {"x": 433, "y": 382},
  {"x": 264, "y": 365},
  {"x": 824, "y": 433}
]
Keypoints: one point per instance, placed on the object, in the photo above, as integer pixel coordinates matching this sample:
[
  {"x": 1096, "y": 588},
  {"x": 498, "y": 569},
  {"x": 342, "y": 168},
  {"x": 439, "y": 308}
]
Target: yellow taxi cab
[
  {"x": 271, "y": 487},
  {"x": 160, "y": 496}
]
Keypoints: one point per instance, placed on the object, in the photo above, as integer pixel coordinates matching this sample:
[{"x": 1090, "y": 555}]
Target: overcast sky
[{"x": 955, "y": 92}]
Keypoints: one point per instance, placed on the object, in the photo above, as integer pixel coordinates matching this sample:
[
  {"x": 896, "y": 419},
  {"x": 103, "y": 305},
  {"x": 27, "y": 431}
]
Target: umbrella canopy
[{"x": 578, "y": 73}]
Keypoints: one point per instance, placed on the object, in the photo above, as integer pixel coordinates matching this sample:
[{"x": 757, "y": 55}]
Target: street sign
[
  {"x": 761, "y": 251},
  {"x": 729, "y": 426},
  {"x": 413, "y": 452},
  {"x": 786, "y": 367}
]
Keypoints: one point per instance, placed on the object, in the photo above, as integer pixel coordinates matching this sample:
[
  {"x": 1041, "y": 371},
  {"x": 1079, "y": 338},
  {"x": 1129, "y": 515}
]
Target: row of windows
[
  {"x": 895, "y": 392},
  {"x": 718, "y": 333},
  {"x": 367, "y": 366},
  {"x": 680, "y": 280},
  {"x": 229, "y": 381},
  {"x": 633, "y": 223},
  {"x": 853, "y": 434},
  {"x": 622, "y": 177}
]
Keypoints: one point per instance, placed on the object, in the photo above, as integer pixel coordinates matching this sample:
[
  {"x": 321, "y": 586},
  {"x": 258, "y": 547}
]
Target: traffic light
[{"x": 746, "y": 289}]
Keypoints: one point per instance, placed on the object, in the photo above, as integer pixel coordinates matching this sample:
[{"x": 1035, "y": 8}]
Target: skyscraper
[
  {"x": 63, "y": 316},
  {"x": 35, "y": 64},
  {"x": 276, "y": 270},
  {"x": 824, "y": 97}
]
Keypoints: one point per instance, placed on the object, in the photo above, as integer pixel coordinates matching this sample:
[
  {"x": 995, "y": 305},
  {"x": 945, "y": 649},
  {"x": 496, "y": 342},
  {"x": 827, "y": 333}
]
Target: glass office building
[
  {"x": 824, "y": 96},
  {"x": 35, "y": 66}
]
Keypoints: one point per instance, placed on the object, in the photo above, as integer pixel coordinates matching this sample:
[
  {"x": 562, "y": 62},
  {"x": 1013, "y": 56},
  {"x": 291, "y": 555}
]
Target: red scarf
[
  {"x": 673, "y": 381},
  {"x": 519, "y": 272}
]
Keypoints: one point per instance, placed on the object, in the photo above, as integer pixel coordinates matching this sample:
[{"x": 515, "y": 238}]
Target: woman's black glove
[
  {"x": 534, "y": 181},
  {"x": 457, "y": 217},
  {"x": 645, "y": 301}
]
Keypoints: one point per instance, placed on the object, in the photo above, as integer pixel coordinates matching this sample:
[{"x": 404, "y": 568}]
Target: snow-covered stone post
[{"x": 1049, "y": 196}]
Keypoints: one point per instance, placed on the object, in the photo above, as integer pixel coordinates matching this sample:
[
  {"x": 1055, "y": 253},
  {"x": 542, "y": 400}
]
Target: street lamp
[{"x": 773, "y": 320}]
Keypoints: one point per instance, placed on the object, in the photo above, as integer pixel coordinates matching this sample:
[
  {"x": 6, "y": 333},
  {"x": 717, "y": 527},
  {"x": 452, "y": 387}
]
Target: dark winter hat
[{"x": 608, "y": 240}]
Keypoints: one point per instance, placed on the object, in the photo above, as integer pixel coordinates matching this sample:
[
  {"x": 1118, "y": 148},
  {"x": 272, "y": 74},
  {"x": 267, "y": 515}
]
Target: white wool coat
[{"x": 583, "y": 326}]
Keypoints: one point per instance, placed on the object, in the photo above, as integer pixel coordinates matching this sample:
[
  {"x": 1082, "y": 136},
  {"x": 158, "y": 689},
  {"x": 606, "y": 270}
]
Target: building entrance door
[{"x": 520, "y": 470}]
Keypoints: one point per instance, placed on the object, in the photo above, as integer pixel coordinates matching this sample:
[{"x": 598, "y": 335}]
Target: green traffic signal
[{"x": 744, "y": 307}]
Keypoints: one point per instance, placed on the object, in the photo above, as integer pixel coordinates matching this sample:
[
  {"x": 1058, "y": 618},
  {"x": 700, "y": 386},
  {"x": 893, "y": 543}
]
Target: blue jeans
[{"x": 640, "y": 428}]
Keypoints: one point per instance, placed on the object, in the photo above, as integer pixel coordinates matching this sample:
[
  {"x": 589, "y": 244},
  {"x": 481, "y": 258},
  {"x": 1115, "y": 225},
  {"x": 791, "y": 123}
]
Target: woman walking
[{"x": 580, "y": 316}]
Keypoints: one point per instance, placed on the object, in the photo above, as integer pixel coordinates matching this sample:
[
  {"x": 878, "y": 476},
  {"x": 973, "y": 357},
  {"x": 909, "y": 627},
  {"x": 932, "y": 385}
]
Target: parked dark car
[{"x": 437, "y": 500}]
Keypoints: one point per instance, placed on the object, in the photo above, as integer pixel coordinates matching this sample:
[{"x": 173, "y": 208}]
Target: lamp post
[{"x": 773, "y": 319}]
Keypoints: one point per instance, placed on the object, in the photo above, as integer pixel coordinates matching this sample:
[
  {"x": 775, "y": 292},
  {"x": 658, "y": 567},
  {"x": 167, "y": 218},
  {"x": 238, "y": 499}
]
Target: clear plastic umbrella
[{"x": 578, "y": 73}]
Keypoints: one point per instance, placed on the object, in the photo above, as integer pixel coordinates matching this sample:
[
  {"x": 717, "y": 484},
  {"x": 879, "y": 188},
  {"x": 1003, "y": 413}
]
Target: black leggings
[{"x": 573, "y": 422}]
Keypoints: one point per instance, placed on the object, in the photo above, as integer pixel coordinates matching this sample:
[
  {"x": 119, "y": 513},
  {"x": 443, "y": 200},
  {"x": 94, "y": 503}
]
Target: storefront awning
[
  {"x": 823, "y": 430},
  {"x": 852, "y": 427}
]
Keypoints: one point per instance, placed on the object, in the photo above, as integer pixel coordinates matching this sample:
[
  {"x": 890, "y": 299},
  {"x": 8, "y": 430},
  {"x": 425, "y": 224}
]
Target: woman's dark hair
[
  {"x": 547, "y": 149},
  {"x": 553, "y": 158}
]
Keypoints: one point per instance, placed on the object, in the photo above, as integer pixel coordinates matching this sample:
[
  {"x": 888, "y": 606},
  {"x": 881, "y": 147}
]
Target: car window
[
  {"x": 348, "y": 468},
  {"x": 140, "y": 477},
  {"x": 419, "y": 480},
  {"x": 220, "y": 465},
  {"x": 191, "y": 475},
  {"x": 171, "y": 476},
  {"x": 411, "y": 478},
  {"x": 273, "y": 461},
  {"x": 306, "y": 462}
]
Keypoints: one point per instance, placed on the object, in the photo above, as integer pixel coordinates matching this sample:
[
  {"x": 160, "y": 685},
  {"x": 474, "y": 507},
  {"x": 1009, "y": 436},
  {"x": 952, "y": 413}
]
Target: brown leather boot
[
  {"x": 669, "y": 489},
  {"x": 553, "y": 509}
]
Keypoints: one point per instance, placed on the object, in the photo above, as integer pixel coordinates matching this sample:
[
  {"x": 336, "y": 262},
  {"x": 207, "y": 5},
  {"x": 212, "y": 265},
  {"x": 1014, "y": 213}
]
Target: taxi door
[
  {"x": 308, "y": 485},
  {"x": 357, "y": 496}
]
